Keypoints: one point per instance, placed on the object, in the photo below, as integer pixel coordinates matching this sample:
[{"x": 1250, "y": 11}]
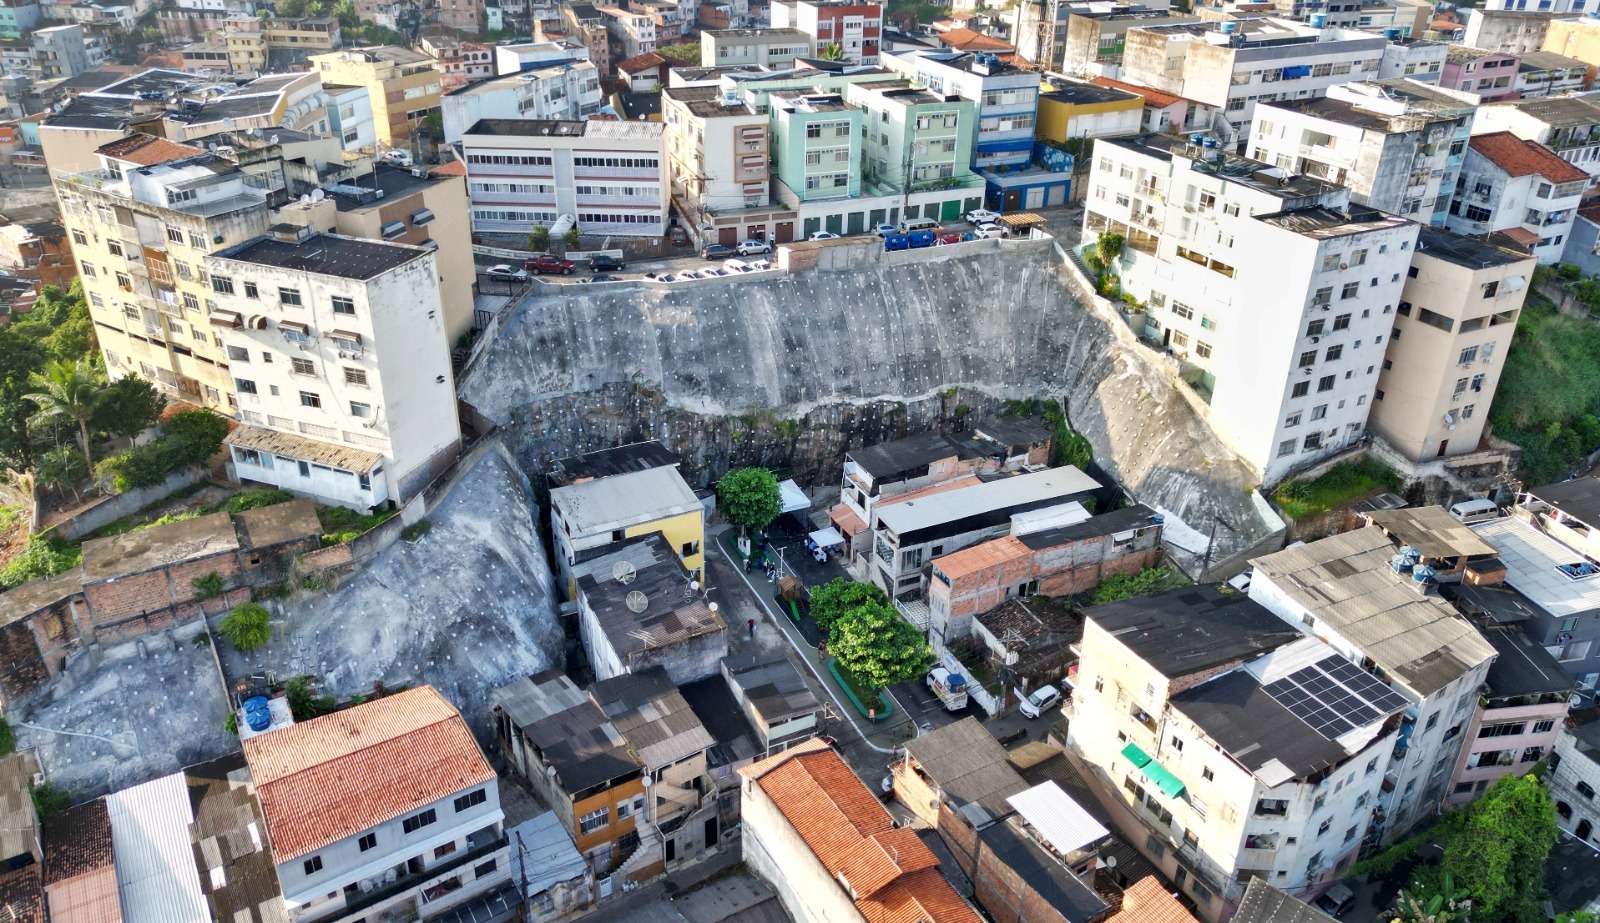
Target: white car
[
  {"x": 824, "y": 235},
  {"x": 1042, "y": 698},
  {"x": 982, "y": 216},
  {"x": 759, "y": 265},
  {"x": 990, "y": 230},
  {"x": 688, "y": 274},
  {"x": 753, "y": 247},
  {"x": 399, "y": 157},
  {"x": 736, "y": 266},
  {"x": 712, "y": 272},
  {"x": 508, "y": 273}
]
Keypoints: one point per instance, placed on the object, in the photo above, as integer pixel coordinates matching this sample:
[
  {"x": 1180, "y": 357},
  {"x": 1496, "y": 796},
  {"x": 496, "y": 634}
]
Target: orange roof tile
[
  {"x": 1525, "y": 158},
  {"x": 968, "y": 40},
  {"x": 1522, "y": 236},
  {"x": 147, "y": 150},
  {"x": 920, "y": 896},
  {"x": 966, "y": 480},
  {"x": 332, "y": 777},
  {"x": 846, "y": 521},
  {"x": 982, "y": 556},
  {"x": 453, "y": 168},
  {"x": 1154, "y": 97},
  {"x": 641, "y": 62},
  {"x": 1146, "y": 901}
]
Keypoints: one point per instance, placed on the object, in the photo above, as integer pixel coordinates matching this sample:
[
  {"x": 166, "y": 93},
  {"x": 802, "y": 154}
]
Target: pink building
[{"x": 1490, "y": 74}]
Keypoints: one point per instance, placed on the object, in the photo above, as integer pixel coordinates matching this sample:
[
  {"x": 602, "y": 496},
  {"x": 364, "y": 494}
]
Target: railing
[
  {"x": 408, "y": 881},
  {"x": 313, "y": 429}
]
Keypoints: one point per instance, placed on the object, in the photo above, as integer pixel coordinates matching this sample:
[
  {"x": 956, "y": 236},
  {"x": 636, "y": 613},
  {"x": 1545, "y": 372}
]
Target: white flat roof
[
  {"x": 1531, "y": 558},
  {"x": 624, "y": 500},
  {"x": 157, "y": 879},
  {"x": 990, "y": 496},
  {"x": 1063, "y": 823}
]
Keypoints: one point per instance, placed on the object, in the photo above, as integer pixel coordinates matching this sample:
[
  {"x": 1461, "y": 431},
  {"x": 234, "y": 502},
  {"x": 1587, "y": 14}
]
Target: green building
[
  {"x": 916, "y": 139},
  {"x": 816, "y": 140}
]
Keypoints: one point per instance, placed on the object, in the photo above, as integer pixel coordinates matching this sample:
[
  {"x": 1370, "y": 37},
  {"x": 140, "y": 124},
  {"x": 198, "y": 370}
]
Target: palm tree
[
  {"x": 833, "y": 51},
  {"x": 68, "y": 392}
]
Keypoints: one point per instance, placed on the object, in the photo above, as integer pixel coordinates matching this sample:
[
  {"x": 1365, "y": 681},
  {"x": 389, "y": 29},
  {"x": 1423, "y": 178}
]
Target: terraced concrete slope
[{"x": 794, "y": 369}]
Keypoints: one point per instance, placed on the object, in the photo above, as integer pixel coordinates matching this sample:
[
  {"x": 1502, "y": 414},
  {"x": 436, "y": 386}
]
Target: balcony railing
[{"x": 409, "y": 880}]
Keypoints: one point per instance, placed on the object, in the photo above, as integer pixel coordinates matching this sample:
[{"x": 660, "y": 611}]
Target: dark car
[
  {"x": 603, "y": 263},
  {"x": 716, "y": 252},
  {"x": 547, "y": 263}
]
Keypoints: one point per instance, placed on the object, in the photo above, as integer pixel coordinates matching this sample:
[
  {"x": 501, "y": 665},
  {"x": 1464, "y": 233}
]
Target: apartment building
[
  {"x": 618, "y": 184},
  {"x": 17, "y": 18},
  {"x": 461, "y": 15},
  {"x": 1452, "y": 327},
  {"x": 1518, "y": 187},
  {"x": 632, "y": 33},
  {"x": 566, "y": 90},
  {"x": 916, "y": 139},
  {"x": 1510, "y": 31},
  {"x": 1237, "y": 258},
  {"x": 1241, "y": 748},
  {"x": 1236, "y": 63},
  {"x": 1414, "y": 58},
  {"x": 460, "y": 62},
  {"x": 605, "y": 511},
  {"x": 1395, "y": 144},
  {"x": 63, "y": 51},
  {"x": 1428, "y": 655},
  {"x": 350, "y": 117},
  {"x": 1567, "y": 125},
  {"x": 384, "y": 807},
  {"x": 340, "y": 367},
  {"x": 775, "y": 48},
  {"x": 403, "y": 85},
  {"x": 1578, "y": 37},
  {"x": 1095, "y": 41},
  {"x": 719, "y": 149},
  {"x": 774, "y": 698},
  {"x": 1006, "y": 97},
  {"x": 1071, "y": 109},
  {"x": 818, "y": 137},
  {"x": 1545, "y": 73},
  {"x": 639, "y": 607},
  {"x": 1489, "y": 75},
  {"x": 1575, "y": 775},
  {"x": 515, "y": 58},
  {"x": 855, "y": 26}
]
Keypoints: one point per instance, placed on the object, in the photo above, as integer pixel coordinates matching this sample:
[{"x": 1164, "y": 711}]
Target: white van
[
  {"x": 918, "y": 224},
  {"x": 1471, "y": 511}
]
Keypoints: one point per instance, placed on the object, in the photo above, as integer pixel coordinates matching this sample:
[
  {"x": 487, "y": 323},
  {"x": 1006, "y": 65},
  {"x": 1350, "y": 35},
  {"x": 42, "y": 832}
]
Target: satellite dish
[
  {"x": 317, "y": 195},
  {"x": 637, "y": 601},
  {"x": 623, "y": 572},
  {"x": 712, "y": 606},
  {"x": 305, "y": 200}
]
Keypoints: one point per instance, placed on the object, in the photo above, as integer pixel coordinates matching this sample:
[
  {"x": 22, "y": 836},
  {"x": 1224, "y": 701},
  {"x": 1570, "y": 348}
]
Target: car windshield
[{"x": 1040, "y": 696}]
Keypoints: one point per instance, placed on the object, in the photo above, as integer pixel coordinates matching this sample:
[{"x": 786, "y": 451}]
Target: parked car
[
  {"x": 599, "y": 277},
  {"x": 824, "y": 235},
  {"x": 982, "y": 216},
  {"x": 990, "y": 230},
  {"x": 884, "y": 230},
  {"x": 603, "y": 263},
  {"x": 1336, "y": 900},
  {"x": 506, "y": 273},
  {"x": 759, "y": 265},
  {"x": 1040, "y": 701},
  {"x": 664, "y": 277},
  {"x": 711, "y": 272},
  {"x": 952, "y": 237},
  {"x": 736, "y": 266},
  {"x": 398, "y": 157},
  {"x": 753, "y": 247},
  {"x": 718, "y": 252},
  {"x": 951, "y": 688},
  {"x": 549, "y": 264},
  {"x": 687, "y": 274}
]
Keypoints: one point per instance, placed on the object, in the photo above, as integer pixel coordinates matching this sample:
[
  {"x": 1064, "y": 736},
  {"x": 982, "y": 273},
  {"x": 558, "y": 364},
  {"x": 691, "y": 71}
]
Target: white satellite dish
[
  {"x": 317, "y": 195},
  {"x": 637, "y": 601},
  {"x": 623, "y": 572}
]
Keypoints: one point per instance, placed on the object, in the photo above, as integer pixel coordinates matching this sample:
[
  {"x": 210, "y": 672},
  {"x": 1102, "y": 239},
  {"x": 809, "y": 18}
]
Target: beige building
[
  {"x": 404, "y": 85},
  {"x": 1452, "y": 328},
  {"x": 250, "y": 40},
  {"x": 718, "y": 149}
]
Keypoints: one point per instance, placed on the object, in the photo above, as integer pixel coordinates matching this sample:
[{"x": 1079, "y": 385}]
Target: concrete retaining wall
[{"x": 112, "y": 508}]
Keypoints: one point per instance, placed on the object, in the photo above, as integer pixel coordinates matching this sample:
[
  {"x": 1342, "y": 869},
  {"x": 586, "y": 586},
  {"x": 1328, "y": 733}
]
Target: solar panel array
[{"x": 1334, "y": 696}]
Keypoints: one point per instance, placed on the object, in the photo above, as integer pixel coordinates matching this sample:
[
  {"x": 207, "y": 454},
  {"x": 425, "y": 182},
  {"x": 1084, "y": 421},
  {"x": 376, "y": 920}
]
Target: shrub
[
  {"x": 188, "y": 438},
  {"x": 256, "y": 499},
  {"x": 45, "y": 556},
  {"x": 8, "y": 738},
  {"x": 248, "y": 626},
  {"x": 1147, "y": 582},
  {"x": 48, "y": 800},
  {"x": 416, "y": 530},
  {"x": 208, "y": 587},
  {"x": 303, "y": 704}
]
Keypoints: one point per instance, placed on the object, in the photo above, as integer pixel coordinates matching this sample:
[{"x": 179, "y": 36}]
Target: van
[
  {"x": 918, "y": 224},
  {"x": 1471, "y": 511}
]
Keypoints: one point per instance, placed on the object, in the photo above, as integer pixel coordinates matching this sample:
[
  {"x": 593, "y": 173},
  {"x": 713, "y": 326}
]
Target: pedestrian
[{"x": 752, "y": 624}]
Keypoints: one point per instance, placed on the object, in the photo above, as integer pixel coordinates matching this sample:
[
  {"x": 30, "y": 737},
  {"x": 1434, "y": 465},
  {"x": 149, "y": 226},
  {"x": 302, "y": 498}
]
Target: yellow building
[
  {"x": 403, "y": 84},
  {"x": 1575, "y": 38},
  {"x": 604, "y": 511},
  {"x": 1076, "y": 109}
]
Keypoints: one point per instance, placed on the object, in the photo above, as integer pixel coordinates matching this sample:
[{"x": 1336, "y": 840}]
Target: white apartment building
[
  {"x": 719, "y": 149},
  {"x": 1575, "y": 776},
  {"x": 1457, "y": 312},
  {"x": 1396, "y": 144},
  {"x": 611, "y": 177},
  {"x": 1545, "y": 73},
  {"x": 632, "y": 34},
  {"x": 1270, "y": 290},
  {"x": 383, "y": 810},
  {"x": 854, "y": 25},
  {"x": 1567, "y": 125},
  {"x": 340, "y": 366},
  {"x": 1415, "y": 58},
  {"x": 1241, "y": 748},
  {"x": 762, "y": 47},
  {"x": 568, "y": 91},
  {"x": 1007, "y": 98},
  {"x": 512, "y": 59},
  {"x": 1338, "y": 589},
  {"x": 350, "y": 117},
  {"x": 1236, "y": 63},
  {"x": 1521, "y": 188}
]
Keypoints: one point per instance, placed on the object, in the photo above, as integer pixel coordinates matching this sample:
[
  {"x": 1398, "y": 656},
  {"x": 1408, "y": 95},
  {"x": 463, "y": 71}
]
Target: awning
[
  {"x": 846, "y": 521},
  {"x": 1164, "y": 780},
  {"x": 1133, "y": 754},
  {"x": 394, "y": 229},
  {"x": 828, "y": 537},
  {"x": 354, "y": 338},
  {"x": 794, "y": 499},
  {"x": 294, "y": 325},
  {"x": 421, "y": 216},
  {"x": 227, "y": 319}
]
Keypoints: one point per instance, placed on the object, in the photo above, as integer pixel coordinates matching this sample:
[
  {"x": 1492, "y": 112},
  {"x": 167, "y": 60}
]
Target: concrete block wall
[{"x": 114, "y": 601}]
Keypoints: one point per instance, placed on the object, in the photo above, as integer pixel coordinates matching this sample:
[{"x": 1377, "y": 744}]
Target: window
[
  {"x": 357, "y": 377},
  {"x": 250, "y": 290},
  {"x": 1586, "y": 790},
  {"x": 1202, "y": 349},
  {"x": 471, "y": 799},
  {"x": 115, "y": 247},
  {"x": 1308, "y": 358},
  {"x": 1542, "y": 727},
  {"x": 238, "y": 354},
  {"x": 1334, "y": 352},
  {"x": 222, "y": 284},
  {"x": 1182, "y": 310},
  {"x": 1323, "y": 295},
  {"x": 360, "y": 410},
  {"x": 196, "y": 240},
  {"x": 1325, "y": 383},
  {"x": 1350, "y": 290},
  {"x": 1300, "y": 389},
  {"x": 1206, "y": 773},
  {"x": 244, "y": 386},
  {"x": 594, "y": 820},
  {"x": 416, "y": 821},
  {"x": 1286, "y": 447},
  {"x": 368, "y": 841},
  {"x": 439, "y": 852},
  {"x": 1312, "y": 442},
  {"x": 175, "y": 235},
  {"x": 1292, "y": 420},
  {"x": 190, "y": 302},
  {"x": 310, "y": 399},
  {"x": 313, "y": 865},
  {"x": 1314, "y": 328},
  {"x": 289, "y": 297},
  {"x": 302, "y": 366},
  {"x": 343, "y": 305}
]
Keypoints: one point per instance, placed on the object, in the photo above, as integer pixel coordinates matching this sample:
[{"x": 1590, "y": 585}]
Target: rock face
[{"x": 793, "y": 370}]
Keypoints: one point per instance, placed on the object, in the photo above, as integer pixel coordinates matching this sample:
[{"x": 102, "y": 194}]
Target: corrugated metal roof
[
  {"x": 156, "y": 874},
  {"x": 544, "y": 850},
  {"x": 1063, "y": 823},
  {"x": 299, "y": 447},
  {"x": 986, "y": 497},
  {"x": 610, "y": 503}
]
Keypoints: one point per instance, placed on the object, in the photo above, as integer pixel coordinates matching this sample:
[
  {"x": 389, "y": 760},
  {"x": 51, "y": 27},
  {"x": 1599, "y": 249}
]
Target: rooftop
[
  {"x": 1058, "y": 819},
  {"x": 1519, "y": 157},
  {"x": 241, "y": 884},
  {"x": 1036, "y": 623},
  {"x": 539, "y": 128},
  {"x": 1465, "y": 251},
  {"x": 1548, "y": 60},
  {"x": 1192, "y": 629},
  {"x": 549, "y": 853},
  {"x": 1578, "y": 498},
  {"x": 326, "y": 254},
  {"x": 982, "y": 556},
  {"x": 623, "y": 500},
  {"x": 719, "y": 713},
  {"x": 414, "y": 741},
  {"x": 640, "y": 63},
  {"x": 1345, "y": 582},
  {"x": 622, "y": 459},
  {"x": 293, "y": 445},
  {"x": 970, "y": 768},
  {"x": 1461, "y": 54},
  {"x": 157, "y": 878},
  {"x": 390, "y": 53},
  {"x": 1263, "y": 903},
  {"x": 1532, "y": 558},
  {"x": 709, "y": 102},
  {"x": 1053, "y": 882},
  {"x": 1079, "y": 93},
  {"x": 666, "y": 613},
  {"x": 147, "y": 150},
  {"x": 158, "y": 546},
  {"x": 19, "y": 822},
  {"x": 77, "y": 842},
  {"x": 756, "y": 33},
  {"x": 652, "y": 715},
  {"x": 571, "y": 732},
  {"x": 988, "y": 499},
  {"x": 394, "y": 182},
  {"x": 1321, "y": 223},
  {"x": 266, "y": 526},
  {"x": 1235, "y": 169},
  {"x": 1148, "y": 901},
  {"x": 772, "y": 685},
  {"x": 1132, "y": 517},
  {"x": 968, "y": 40},
  {"x": 1556, "y": 111},
  {"x": 1522, "y": 666},
  {"x": 21, "y": 899},
  {"x": 1432, "y": 531},
  {"x": 1151, "y": 97}
]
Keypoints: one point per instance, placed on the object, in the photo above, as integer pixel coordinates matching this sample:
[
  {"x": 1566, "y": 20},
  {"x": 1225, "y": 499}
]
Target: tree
[
  {"x": 248, "y": 626},
  {"x": 879, "y": 647},
  {"x": 538, "y": 238},
  {"x": 60, "y": 469},
  {"x": 291, "y": 9},
  {"x": 839, "y": 598},
  {"x": 833, "y": 51},
  {"x": 681, "y": 54},
  {"x": 749, "y": 498},
  {"x": 1424, "y": 904},
  {"x": 1110, "y": 246},
  {"x": 130, "y": 406},
  {"x": 572, "y": 237},
  {"x": 1498, "y": 850},
  {"x": 68, "y": 391}
]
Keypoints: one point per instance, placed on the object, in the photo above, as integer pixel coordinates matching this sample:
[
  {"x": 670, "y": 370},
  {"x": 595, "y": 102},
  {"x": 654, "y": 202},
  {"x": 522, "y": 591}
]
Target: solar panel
[{"x": 1334, "y": 696}]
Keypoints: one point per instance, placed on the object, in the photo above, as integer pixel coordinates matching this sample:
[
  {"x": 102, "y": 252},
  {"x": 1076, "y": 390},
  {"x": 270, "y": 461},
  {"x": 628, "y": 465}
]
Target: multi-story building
[
  {"x": 245, "y": 40},
  {"x": 17, "y": 18},
  {"x": 1575, "y": 38},
  {"x": 719, "y": 149},
  {"x": 1395, "y": 144},
  {"x": 652, "y": 617},
  {"x": 388, "y": 807},
  {"x": 350, "y": 117},
  {"x": 1568, "y": 125},
  {"x": 403, "y": 85},
  {"x": 1519, "y": 187},
  {"x": 1428, "y": 655},
  {"x": 764, "y": 47},
  {"x": 856, "y": 26},
  {"x": 818, "y": 141},
  {"x": 1095, "y": 41},
  {"x": 1235, "y": 63},
  {"x": 460, "y": 62},
  {"x": 607, "y": 510},
  {"x": 1489, "y": 75},
  {"x": 1271, "y": 290},
  {"x": 1241, "y": 748},
  {"x": 916, "y": 139},
  {"x": 1007, "y": 98},
  {"x": 1545, "y": 73},
  {"x": 461, "y": 15},
  {"x": 1575, "y": 776},
  {"x": 618, "y": 175},
  {"x": 522, "y": 56},
  {"x": 632, "y": 34},
  {"x": 558, "y": 91},
  {"x": 61, "y": 51},
  {"x": 1510, "y": 31},
  {"x": 1457, "y": 313},
  {"x": 1415, "y": 58},
  {"x": 1071, "y": 109}
]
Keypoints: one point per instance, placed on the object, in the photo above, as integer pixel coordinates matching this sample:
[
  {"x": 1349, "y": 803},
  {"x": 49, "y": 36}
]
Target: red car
[{"x": 546, "y": 263}]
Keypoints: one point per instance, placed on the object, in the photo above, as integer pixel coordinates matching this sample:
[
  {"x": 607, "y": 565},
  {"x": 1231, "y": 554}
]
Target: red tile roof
[
  {"x": 147, "y": 150},
  {"x": 1147, "y": 902},
  {"x": 894, "y": 876},
  {"x": 332, "y": 777},
  {"x": 77, "y": 841},
  {"x": 22, "y": 896},
  {"x": 1525, "y": 158},
  {"x": 968, "y": 40},
  {"x": 453, "y": 168},
  {"x": 641, "y": 62},
  {"x": 1153, "y": 97},
  {"x": 982, "y": 556}
]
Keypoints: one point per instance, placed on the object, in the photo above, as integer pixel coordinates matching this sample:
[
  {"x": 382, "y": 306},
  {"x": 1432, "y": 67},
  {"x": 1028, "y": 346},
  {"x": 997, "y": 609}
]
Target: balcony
[{"x": 410, "y": 879}]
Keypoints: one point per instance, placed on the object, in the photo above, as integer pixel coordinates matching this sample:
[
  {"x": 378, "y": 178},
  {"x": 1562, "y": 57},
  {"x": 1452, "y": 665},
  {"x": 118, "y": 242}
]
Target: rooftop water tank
[
  {"x": 1212, "y": 144},
  {"x": 257, "y": 713},
  {"x": 1197, "y": 139},
  {"x": 1423, "y": 574},
  {"x": 1228, "y": 28},
  {"x": 1319, "y": 20}
]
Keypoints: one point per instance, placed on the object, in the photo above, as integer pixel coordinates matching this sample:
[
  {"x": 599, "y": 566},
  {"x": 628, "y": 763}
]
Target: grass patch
[
  {"x": 1148, "y": 582},
  {"x": 340, "y": 525},
  {"x": 238, "y": 503},
  {"x": 866, "y": 696},
  {"x": 8, "y": 738},
  {"x": 1344, "y": 482},
  {"x": 416, "y": 530},
  {"x": 1548, "y": 400}
]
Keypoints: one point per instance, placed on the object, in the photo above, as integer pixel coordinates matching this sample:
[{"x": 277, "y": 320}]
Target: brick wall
[{"x": 137, "y": 595}]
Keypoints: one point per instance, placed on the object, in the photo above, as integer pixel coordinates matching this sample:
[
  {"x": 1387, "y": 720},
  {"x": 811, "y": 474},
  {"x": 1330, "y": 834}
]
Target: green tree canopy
[
  {"x": 833, "y": 51},
  {"x": 681, "y": 54},
  {"x": 1497, "y": 853},
  {"x": 839, "y": 598},
  {"x": 749, "y": 497},
  {"x": 248, "y": 626},
  {"x": 130, "y": 406},
  {"x": 878, "y": 646},
  {"x": 68, "y": 392}
]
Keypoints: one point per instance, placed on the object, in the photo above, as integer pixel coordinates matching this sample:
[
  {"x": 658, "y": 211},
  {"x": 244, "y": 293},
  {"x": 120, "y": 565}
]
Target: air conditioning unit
[{"x": 1316, "y": 339}]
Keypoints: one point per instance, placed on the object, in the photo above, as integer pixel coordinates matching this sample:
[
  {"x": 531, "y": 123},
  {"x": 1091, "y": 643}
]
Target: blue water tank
[
  {"x": 1423, "y": 574},
  {"x": 1228, "y": 28},
  {"x": 1197, "y": 139},
  {"x": 1392, "y": 35},
  {"x": 1318, "y": 20},
  {"x": 1212, "y": 144},
  {"x": 257, "y": 713}
]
